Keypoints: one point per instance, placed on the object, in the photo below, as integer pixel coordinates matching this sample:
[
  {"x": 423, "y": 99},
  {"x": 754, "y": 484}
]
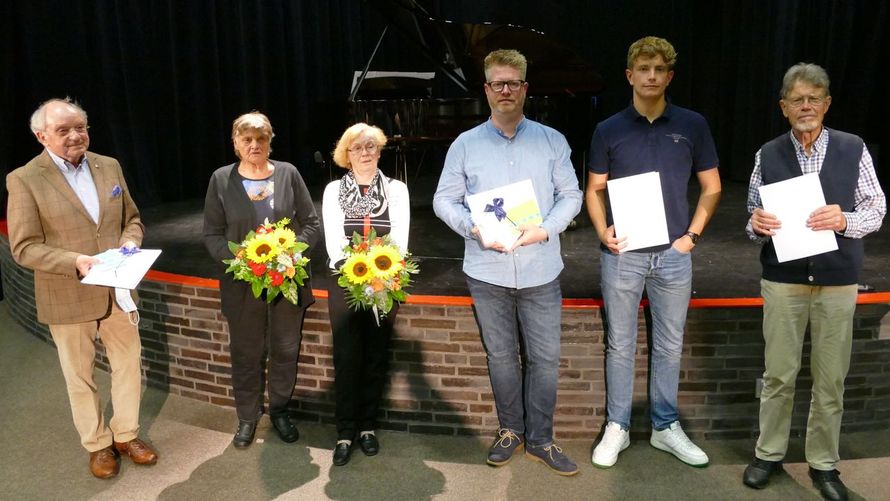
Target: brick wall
[{"x": 438, "y": 376}]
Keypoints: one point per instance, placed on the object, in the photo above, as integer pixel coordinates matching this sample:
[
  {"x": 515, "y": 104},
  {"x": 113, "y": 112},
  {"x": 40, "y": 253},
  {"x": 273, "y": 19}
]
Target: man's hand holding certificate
[
  {"x": 799, "y": 204},
  {"x": 121, "y": 268},
  {"x": 638, "y": 210},
  {"x": 501, "y": 215}
]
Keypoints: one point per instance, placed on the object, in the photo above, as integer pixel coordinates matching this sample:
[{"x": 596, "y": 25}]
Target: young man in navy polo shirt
[{"x": 650, "y": 135}]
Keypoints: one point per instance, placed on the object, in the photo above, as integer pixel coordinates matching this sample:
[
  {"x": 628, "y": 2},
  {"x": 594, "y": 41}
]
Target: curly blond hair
[{"x": 651, "y": 47}]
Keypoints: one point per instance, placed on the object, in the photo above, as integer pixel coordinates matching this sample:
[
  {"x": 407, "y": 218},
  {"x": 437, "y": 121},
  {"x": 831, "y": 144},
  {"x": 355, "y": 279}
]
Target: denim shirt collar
[{"x": 489, "y": 125}]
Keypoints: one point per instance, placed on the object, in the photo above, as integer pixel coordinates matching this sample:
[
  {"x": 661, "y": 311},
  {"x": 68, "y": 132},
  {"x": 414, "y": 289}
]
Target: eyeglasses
[
  {"x": 797, "y": 102},
  {"x": 370, "y": 147},
  {"x": 498, "y": 85},
  {"x": 64, "y": 131}
]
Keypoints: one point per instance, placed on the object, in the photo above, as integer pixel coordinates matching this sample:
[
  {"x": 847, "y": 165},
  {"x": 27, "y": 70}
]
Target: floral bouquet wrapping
[
  {"x": 375, "y": 273},
  {"x": 270, "y": 259}
]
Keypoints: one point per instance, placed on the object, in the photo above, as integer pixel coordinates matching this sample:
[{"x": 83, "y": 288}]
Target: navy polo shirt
[{"x": 675, "y": 145}]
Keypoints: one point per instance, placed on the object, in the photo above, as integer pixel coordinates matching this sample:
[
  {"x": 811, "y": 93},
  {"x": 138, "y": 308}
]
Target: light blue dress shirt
[
  {"x": 81, "y": 181},
  {"x": 483, "y": 158}
]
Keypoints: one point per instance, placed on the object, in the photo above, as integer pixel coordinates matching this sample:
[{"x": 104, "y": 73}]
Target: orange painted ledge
[{"x": 569, "y": 303}]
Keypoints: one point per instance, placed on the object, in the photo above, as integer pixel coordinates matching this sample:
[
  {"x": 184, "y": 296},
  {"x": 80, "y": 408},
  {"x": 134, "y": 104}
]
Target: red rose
[{"x": 277, "y": 278}]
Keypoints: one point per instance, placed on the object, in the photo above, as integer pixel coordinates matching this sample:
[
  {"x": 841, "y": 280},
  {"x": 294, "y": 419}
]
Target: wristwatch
[{"x": 693, "y": 236}]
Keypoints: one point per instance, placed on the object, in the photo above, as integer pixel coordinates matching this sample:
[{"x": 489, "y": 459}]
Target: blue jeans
[
  {"x": 535, "y": 312},
  {"x": 667, "y": 278}
]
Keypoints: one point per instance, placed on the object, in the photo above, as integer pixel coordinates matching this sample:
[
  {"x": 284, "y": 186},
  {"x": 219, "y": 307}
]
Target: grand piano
[{"x": 424, "y": 111}]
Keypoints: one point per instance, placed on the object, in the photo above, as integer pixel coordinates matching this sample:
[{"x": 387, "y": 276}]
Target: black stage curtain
[{"x": 163, "y": 79}]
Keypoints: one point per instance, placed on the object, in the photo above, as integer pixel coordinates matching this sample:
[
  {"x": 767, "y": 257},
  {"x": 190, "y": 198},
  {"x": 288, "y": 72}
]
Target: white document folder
[
  {"x": 516, "y": 200},
  {"x": 792, "y": 201},
  {"x": 120, "y": 270},
  {"x": 638, "y": 210}
]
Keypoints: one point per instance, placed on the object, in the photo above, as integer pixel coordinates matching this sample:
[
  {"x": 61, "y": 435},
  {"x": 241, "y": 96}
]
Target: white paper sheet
[
  {"x": 638, "y": 210},
  {"x": 517, "y": 198},
  {"x": 119, "y": 270},
  {"x": 792, "y": 201}
]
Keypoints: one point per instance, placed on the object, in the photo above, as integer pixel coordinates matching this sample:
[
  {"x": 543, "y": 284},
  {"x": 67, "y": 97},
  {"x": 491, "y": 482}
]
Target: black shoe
[
  {"x": 370, "y": 445},
  {"x": 342, "y": 452},
  {"x": 829, "y": 484},
  {"x": 285, "y": 428},
  {"x": 244, "y": 435},
  {"x": 758, "y": 472}
]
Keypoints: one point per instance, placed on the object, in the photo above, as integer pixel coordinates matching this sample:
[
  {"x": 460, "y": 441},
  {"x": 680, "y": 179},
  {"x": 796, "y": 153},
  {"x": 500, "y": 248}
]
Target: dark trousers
[
  {"x": 360, "y": 360},
  {"x": 253, "y": 328}
]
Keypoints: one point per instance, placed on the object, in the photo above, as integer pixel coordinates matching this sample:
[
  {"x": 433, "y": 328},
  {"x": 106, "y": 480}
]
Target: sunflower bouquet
[
  {"x": 375, "y": 273},
  {"x": 270, "y": 259}
]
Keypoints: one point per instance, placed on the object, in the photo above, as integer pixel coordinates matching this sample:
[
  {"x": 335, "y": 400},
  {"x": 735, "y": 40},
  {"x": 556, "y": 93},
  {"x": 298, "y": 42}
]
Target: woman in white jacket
[{"x": 363, "y": 199}]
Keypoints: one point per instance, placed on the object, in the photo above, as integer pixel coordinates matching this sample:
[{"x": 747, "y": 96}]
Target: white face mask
[{"x": 124, "y": 299}]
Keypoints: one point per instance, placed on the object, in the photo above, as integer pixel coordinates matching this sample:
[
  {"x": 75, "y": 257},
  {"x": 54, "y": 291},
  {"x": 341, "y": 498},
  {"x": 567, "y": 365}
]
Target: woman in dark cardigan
[{"x": 240, "y": 197}]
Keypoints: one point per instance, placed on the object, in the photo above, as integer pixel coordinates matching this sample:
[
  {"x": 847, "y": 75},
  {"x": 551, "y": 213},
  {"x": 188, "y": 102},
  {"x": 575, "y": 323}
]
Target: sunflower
[
  {"x": 262, "y": 248},
  {"x": 386, "y": 261},
  {"x": 285, "y": 236},
  {"x": 357, "y": 269}
]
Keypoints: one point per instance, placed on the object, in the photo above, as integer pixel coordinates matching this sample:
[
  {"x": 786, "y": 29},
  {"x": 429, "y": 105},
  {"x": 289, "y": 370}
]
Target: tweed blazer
[
  {"x": 49, "y": 227},
  {"x": 229, "y": 215}
]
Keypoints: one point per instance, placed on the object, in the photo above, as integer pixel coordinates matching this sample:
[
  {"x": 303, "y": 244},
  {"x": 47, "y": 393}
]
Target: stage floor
[{"x": 725, "y": 263}]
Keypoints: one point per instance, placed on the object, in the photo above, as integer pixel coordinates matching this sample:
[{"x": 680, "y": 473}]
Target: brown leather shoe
[
  {"x": 138, "y": 451},
  {"x": 103, "y": 463}
]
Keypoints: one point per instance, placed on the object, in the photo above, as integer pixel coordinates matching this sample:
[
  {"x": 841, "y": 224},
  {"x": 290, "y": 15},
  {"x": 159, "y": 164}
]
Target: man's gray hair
[
  {"x": 38, "y": 118},
  {"x": 810, "y": 73}
]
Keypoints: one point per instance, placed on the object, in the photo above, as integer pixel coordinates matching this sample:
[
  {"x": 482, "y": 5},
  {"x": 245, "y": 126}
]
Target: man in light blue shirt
[{"x": 515, "y": 290}]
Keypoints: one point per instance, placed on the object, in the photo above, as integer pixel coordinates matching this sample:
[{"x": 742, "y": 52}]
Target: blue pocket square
[{"x": 116, "y": 191}]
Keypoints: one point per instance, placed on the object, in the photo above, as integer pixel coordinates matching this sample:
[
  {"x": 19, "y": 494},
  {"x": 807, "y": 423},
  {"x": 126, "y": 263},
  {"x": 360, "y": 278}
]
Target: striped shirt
[{"x": 870, "y": 204}]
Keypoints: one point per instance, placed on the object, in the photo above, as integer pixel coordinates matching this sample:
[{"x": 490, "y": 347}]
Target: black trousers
[
  {"x": 258, "y": 331},
  {"x": 360, "y": 362}
]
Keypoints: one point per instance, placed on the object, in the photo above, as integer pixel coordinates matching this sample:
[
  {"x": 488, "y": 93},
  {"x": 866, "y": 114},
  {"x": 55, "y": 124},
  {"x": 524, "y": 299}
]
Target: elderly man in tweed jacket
[{"x": 66, "y": 205}]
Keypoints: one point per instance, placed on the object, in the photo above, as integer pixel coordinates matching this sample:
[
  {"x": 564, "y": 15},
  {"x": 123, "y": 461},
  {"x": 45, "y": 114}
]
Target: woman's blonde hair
[
  {"x": 341, "y": 152},
  {"x": 252, "y": 121}
]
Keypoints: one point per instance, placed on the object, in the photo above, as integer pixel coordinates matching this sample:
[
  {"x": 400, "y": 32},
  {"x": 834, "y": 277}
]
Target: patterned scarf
[{"x": 354, "y": 204}]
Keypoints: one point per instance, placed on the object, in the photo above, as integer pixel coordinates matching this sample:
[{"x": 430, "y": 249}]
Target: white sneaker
[
  {"x": 615, "y": 440},
  {"x": 675, "y": 441}
]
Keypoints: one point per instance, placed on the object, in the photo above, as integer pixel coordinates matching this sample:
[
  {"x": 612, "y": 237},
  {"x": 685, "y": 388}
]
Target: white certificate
[
  {"x": 638, "y": 210},
  {"x": 500, "y": 211},
  {"x": 121, "y": 270},
  {"x": 792, "y": 201}
]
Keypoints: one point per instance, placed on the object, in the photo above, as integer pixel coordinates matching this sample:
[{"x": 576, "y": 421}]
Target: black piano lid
[{"x": 458, "y": 49}]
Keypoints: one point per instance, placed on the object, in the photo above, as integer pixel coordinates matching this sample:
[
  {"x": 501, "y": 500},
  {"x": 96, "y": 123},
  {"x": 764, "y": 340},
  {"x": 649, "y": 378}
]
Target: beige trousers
[
  {"x": 77, "y": 353},
  {"x": 787, "y": 309}
]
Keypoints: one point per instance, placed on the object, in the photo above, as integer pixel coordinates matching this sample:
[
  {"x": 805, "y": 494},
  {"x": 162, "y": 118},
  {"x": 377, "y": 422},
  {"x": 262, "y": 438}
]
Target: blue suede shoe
[
  {"x": 552, "y": 456},
  {"x": 501, "y": 451}
]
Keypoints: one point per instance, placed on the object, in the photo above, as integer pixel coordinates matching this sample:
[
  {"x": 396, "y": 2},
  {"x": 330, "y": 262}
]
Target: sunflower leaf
[{"x": 234, "y": 248}]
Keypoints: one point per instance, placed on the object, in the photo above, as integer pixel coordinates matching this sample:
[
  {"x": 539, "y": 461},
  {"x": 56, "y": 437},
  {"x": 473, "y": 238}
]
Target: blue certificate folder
[{"x": 121, "y": 270}]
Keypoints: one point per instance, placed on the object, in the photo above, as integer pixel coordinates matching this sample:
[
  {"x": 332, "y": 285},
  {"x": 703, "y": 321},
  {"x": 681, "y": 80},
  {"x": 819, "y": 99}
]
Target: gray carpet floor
[{"x": 42, "y": 459}]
